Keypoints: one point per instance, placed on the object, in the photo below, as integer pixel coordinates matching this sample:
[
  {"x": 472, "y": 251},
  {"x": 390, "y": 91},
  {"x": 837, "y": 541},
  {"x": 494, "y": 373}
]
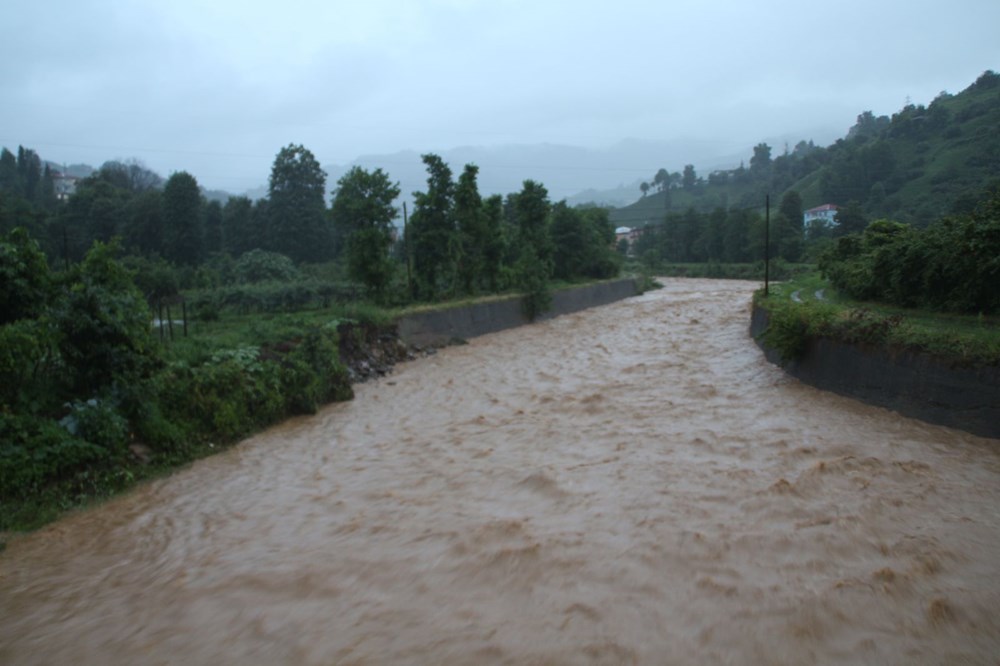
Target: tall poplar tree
[
  {"x": 236, "y": 231},
  {"x": 534, "y": 265},
  {"x": 432, "y": 230},
  {"x": 470, "y": 219},
  {"x": 297, "y": 210},
  {"x": 183, "y": 241}
]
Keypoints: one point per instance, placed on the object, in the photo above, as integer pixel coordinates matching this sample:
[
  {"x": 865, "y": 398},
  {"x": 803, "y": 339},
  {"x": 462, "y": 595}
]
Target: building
[
  {"x": 65, "y": 185},
  {"x": 825, "y": 214}
]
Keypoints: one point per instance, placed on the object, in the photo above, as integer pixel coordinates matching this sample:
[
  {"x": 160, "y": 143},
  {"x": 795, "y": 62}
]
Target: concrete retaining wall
[
  {"x": 916, "y": 384},
  {"x": 442, "y": 326}
]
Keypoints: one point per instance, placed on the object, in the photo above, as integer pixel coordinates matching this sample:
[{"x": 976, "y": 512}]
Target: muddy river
[{"x": 629, "y": 484}]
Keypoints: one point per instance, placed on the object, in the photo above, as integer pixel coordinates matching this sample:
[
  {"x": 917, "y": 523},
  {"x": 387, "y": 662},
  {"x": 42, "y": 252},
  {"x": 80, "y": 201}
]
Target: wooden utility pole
[
  {"x": 767, "y": 244},
  {"x": 406, "y": 251}
]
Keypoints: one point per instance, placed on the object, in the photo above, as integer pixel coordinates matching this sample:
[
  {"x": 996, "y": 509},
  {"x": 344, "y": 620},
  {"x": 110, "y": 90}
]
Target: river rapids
[{"x": 629, "y": 484}]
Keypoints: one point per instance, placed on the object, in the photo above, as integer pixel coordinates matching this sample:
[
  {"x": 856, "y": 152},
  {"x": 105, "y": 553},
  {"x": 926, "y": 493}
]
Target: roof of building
[{"x": 822, "y": 209}]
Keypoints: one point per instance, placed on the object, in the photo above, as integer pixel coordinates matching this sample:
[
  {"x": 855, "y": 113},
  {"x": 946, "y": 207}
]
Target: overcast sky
[{"x": 217, "y": 87}]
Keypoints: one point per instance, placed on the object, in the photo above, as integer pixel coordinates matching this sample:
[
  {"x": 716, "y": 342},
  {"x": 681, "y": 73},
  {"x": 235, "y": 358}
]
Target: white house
[
  {"x": 64, "y": 185},
  {"x": 824, "y": 213}
]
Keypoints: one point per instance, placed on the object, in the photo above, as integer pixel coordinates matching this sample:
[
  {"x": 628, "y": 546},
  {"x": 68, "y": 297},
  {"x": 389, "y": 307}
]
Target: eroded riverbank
[{"x": 633, "y": 483}]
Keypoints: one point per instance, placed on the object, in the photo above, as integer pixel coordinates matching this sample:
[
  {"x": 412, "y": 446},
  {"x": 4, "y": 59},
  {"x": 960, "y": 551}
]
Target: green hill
[{"x": 920, "y": 164}]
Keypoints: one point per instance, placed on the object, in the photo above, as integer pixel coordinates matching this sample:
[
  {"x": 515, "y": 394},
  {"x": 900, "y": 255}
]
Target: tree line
[
  {"x": 736, "y": 235},
  {"x": 456, "y": 242}
]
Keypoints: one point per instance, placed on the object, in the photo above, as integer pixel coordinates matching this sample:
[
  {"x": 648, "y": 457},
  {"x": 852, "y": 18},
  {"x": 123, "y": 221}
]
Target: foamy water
[{"x": 629, "y": 484}]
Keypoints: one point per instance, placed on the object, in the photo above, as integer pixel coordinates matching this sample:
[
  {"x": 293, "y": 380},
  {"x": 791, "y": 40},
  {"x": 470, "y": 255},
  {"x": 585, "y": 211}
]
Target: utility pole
[
  {"x": 767, "y": 244},
  {"x": 406, "y": 251}
]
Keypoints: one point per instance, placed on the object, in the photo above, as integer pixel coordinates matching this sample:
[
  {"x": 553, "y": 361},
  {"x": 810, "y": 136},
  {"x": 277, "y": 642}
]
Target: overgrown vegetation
[
  {"x": 966, "y": 339},
  {"x": 952, "y": 265},
  {"x": 83, "y": 382},
  {"x": 916, "y": 166}
]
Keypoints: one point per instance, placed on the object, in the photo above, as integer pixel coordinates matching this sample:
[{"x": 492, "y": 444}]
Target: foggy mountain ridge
[{"x": 607, "y": 176}]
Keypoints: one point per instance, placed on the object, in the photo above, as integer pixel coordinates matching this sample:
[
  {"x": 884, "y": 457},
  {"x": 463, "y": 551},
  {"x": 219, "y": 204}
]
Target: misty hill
[
  {"x": 920, "y": 164},
  {"x": 581, "y": 175}
]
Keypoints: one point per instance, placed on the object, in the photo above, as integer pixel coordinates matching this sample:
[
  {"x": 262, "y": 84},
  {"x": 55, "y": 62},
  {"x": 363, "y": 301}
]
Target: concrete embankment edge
[
  {"x": 916, "y": 384},
  {"x": 438, "y": 327}
]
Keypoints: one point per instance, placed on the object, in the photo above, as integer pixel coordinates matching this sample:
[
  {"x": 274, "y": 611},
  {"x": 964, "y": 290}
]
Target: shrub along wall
[{"x": 916, "y": 384}]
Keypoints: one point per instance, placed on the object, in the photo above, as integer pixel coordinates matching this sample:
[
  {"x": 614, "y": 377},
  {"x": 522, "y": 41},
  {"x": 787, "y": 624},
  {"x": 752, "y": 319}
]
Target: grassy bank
[{"x": 808, "y": 306}]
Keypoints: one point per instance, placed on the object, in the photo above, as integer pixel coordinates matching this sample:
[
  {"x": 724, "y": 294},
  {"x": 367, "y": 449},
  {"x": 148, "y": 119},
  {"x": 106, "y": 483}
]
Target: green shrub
[
  {"x": 262, "y": 266},
  {"x": 319, "y": 352},
  {"x": 31, "y": 373},
  {"x": 36, "y": 452},
  {"x": 98, "y": 422},
  {"x": 791, "y": 325},
  {"x": 25, "y": 284}
]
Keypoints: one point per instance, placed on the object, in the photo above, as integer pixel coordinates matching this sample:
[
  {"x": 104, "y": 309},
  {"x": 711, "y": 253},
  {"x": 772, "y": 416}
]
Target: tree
[
  {"x": 46, "y": 198},
  {"x": 470, "y": 222},
  {"x": 569, "y": 238},
  {"x": 760, "y": 163},
  {"x": 644, "y": 188},
  {"x": 212, "y": 225},
  {"x": 131, "y": 175},
  {"x": 104, "y": 324},
  {"x": 362, "y": 209},
  {"x": 582, "y": 240},
  {"x": 534, "y": 267},
  {"x": 849, "y": 220},
  {"x": 236, "y": 231},
  {"x": 25, "y": 285},
  {"x": 96, "y": 211},
  {"x": 690, "y": 178},
  {"x": 788, "y": 228},
  {"x": 712, "y": 235},
  {"x": 257, "y": 229},
  {"x": 736, "y": 231},
  {"x": 432, "y": 229},
  {"x": 143, "y": 231},
  {"x": 601, "y": 262},
  {"x": 29, "y": 169},
  {"x": 297, "y": 207},
  {"x": 493, "y": 248},
  {"x": 8, "y": 173},
  {"x": 661, "y": 180},
  {"x": 183, "y": 241}
]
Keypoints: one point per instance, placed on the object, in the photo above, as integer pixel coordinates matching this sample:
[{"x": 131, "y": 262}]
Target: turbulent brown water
[{"x": 629, "y": 484}]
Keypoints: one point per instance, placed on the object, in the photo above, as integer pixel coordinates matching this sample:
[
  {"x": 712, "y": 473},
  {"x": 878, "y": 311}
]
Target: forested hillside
[{"x": 919, "y": 164}]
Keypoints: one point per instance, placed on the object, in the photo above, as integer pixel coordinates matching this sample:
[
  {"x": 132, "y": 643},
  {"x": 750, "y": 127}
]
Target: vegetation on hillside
[{"x": 919, "y": 164}]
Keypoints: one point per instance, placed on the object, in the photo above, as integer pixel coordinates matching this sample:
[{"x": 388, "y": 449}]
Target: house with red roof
[{"x": 824, "y": 213}]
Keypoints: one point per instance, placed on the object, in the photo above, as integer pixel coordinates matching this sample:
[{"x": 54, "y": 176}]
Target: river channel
[{"x": 629, "y": 484}]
